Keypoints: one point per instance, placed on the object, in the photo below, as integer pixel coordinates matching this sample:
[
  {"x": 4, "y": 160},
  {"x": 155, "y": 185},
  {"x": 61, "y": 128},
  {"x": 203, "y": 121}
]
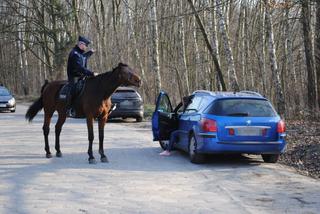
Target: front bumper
[{"x": 7, "y": 107}]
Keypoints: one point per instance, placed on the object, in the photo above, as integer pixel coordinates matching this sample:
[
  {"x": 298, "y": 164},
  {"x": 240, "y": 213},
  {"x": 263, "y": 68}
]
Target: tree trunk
[
  {"x": 155, "y": 44},
  {"x": 262, "y": 52},
  {"x": 200, "y": 77},
  {"x": 306, "y": 28},
  {"x": 273, "y": 62},
  {"x": 233, "y": 83},
  {"x": 133, "y": 35},
  {"x": 213, "y": 55},
  {"x": 182, "y": 49},
  {"x": 214, "y": 83},
  {"x": 317, "y": 50},
  {"x": 292, "y": 86}
]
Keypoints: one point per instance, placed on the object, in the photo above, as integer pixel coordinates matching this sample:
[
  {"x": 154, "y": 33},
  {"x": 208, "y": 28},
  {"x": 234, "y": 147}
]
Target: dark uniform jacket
[{"x": 77, "y": 64}]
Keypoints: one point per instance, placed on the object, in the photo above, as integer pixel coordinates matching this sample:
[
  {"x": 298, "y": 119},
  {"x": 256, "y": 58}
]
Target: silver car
[{"x": 7, "y": 101}]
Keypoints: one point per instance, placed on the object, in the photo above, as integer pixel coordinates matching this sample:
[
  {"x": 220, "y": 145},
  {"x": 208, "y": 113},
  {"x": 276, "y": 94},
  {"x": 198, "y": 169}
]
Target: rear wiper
[{"x": 240, "y": 114}]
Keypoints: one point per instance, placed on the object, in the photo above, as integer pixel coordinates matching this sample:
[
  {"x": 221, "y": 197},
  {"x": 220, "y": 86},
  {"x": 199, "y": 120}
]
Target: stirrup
[{"x": 113, "y": 107}]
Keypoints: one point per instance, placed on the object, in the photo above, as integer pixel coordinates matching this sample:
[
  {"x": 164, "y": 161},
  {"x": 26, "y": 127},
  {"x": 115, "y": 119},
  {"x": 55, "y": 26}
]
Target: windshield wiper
[{"x": 240, "y": 114}]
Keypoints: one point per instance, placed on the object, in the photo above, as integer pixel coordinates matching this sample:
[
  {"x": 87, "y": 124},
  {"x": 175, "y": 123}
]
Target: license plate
[
  {"x": 3, "y": 105},
  {"x": 248, "y": 131},
  {"x": 126, "y": 103}
]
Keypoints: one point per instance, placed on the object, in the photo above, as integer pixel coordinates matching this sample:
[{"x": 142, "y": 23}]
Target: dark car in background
[
  {"x": 7, "y": 101},
  {"x": 129, "y": 104}
]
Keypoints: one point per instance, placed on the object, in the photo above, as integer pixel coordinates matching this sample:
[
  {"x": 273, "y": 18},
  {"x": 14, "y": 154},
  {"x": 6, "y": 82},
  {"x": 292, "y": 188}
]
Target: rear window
[
  {"x": 121, "y": 94},
  {"x": 242, "y": 108}
]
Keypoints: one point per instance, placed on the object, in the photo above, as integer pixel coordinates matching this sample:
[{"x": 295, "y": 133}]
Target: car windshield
[
  {"x": 242, "y": 108},
  {"x": 4, "y": 92}
]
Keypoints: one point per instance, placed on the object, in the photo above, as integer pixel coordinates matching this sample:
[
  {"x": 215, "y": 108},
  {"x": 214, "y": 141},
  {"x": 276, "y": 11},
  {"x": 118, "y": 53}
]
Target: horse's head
[{"x": 127, "y": 75}]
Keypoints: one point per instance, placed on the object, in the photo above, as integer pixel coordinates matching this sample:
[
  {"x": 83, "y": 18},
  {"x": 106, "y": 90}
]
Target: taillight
[
  {"x": 281, "y": 127},
  {"x": 209, "y": 125}
]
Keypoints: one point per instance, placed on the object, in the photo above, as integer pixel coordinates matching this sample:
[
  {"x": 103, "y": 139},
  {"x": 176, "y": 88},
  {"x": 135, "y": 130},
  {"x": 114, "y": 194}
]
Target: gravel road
[{"x": 137, "y": 179}]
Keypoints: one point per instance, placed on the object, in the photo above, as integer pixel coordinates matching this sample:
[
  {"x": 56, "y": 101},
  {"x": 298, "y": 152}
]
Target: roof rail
[
  {"x": 202, "y": 91},
  {"x": 252, "y": 92}
]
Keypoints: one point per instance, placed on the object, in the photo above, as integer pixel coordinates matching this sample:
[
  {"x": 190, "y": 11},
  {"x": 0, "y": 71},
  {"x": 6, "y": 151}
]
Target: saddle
[{"x": 65, "y": 93}]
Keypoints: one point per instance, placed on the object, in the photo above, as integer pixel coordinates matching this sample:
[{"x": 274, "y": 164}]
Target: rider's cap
[{"x": 84, "y": 40}]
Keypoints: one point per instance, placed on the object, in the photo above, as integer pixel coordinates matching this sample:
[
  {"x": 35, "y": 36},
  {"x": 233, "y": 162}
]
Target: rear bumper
[
  {"x": 127, "y": 113},
  {"x": 213, "y": 145}
]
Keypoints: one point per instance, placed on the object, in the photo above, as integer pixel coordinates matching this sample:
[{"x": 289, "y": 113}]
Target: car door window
[
  {"x": 164, "y": 104},
  {"x": 194, "y": 105}
]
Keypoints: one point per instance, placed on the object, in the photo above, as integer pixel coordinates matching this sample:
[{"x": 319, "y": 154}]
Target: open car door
[{"x": 163, "y": 118}]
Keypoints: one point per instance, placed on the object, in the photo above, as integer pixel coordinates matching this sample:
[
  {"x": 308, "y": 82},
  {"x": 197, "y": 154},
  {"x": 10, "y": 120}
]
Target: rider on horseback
[{"x": 77, "y": 67}]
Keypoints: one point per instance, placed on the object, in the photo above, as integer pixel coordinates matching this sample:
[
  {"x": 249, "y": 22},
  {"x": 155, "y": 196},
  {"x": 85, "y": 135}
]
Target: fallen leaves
[{"x": 303, "y": 148}]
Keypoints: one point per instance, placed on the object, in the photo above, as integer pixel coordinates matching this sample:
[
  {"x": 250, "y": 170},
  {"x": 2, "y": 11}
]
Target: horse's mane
[{"x": 109, "y": 73}]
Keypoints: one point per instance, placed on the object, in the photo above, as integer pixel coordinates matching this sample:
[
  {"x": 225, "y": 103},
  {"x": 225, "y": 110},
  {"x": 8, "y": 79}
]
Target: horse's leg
[
  {"x": 102, "y": 122},
  {"x": 91, "y": 159},
  {"x": 46, "y": 130},
  {"x": 59, "y": 124}
]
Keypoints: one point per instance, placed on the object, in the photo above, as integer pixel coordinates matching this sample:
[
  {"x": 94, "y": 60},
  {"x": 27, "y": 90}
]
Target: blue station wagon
[{"x": 220, "y": 122}]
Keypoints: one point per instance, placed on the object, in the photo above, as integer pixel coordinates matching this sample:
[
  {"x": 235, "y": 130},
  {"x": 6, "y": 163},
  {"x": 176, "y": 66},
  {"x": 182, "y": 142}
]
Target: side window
[
  {"x": 194, "y": 105},
  {"x": 164, "y": 104}
]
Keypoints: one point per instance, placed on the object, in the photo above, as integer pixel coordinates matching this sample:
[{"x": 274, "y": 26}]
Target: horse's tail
[{"x": 36, "y": 106}]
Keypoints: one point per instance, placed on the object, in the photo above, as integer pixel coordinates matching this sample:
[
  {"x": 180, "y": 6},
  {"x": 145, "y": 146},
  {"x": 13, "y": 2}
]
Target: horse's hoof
[
  {"x": 104, "y": 160},
  {"x": 92, "y": 161},
  {"x": 49, "y": 155},
  {"x": 59, "y": 154}
]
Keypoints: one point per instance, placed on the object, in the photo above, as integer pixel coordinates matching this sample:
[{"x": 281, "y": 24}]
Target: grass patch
[{"x": 148, "y": 110}]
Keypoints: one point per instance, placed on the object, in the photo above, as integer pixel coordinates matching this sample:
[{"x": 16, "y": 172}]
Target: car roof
[
  {"x": 2, "y": 87},
  {"x": 122, "y": 88},
  {"x": 228, "y": 94}
]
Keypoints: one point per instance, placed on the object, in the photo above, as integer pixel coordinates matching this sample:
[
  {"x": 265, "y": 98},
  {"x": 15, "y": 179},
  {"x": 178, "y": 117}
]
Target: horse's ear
[{"x": 122, "y": 64}]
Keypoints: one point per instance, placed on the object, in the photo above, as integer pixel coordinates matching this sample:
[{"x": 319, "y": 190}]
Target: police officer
[
  {"x": 77, "y": 61},
  {"x": 77, "y": 66}
]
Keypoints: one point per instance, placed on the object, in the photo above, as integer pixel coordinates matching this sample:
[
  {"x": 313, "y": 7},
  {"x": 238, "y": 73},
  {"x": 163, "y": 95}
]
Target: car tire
[
  {"x": 139, "y": 119},
  {"x": 164, "y": 144},
  {"x": 270, "y": 158},
  {"x": 12, "y": 111},
  {"x": 194, "y": 156}
]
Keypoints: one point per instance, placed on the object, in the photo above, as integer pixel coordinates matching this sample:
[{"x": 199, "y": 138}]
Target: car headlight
[{"x": 12, "y": 101}]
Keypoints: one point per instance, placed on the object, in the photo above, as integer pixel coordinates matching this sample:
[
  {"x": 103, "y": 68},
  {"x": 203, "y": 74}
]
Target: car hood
[{"x": 5, "y": 98}]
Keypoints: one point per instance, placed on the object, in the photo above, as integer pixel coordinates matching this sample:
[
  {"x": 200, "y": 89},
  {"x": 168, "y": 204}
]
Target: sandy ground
[{"x": 137, "y": 179}]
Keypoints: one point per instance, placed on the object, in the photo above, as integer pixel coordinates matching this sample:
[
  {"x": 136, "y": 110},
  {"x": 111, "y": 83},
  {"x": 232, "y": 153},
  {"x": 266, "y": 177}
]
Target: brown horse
[{"x": 93, "y": 103}]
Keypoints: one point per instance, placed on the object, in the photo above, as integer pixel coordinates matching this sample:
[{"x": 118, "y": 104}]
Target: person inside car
[{"x": 174, "y": 135}]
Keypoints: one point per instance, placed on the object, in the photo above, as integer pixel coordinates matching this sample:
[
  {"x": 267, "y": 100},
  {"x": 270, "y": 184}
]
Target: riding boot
[{"x": 70, "y": 108}]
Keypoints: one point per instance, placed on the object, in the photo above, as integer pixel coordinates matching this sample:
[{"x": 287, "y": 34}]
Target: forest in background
[{"x": 268, "y": 46}]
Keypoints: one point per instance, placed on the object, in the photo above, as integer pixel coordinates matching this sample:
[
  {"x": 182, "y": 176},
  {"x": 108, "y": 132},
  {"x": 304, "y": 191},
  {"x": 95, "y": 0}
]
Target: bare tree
[
  {"x": 317, "y": 50},
  {"x": 155, "y": 44},
  {"x": 228, "y": 51},
  {"x": 179, "y": 42},
  {"x": 212, "y": 53},
  {"x": 273, "y": 61},
  {"x": 307, "y": 39}
]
